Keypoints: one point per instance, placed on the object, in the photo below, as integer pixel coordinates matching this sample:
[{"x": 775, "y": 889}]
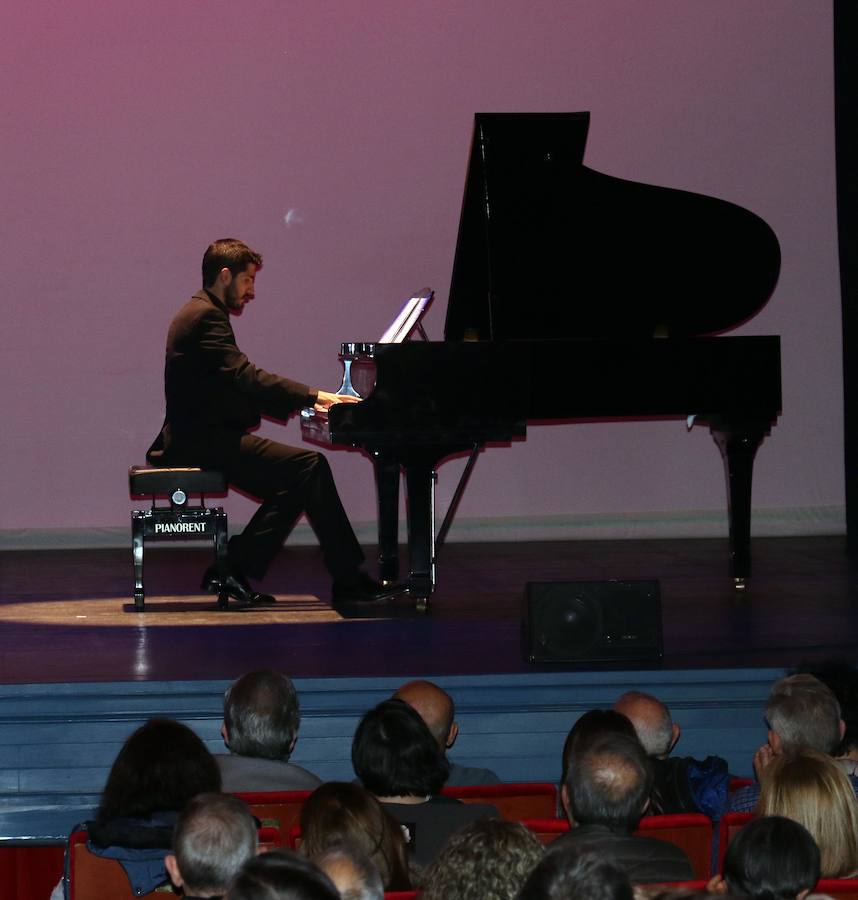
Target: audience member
[
  {"x": 771, "y": 858},
  {"x": 215, "y": 835},
  {"x": 812, "y": 789},
  {"x": 678, "y": 892},
  {"x": 841, "y": 677},
  {"x": 567, "y": 874},
  {"x": 160, "y": 767},
  {"x": 605, "y": 794},
  {"x": 353, "y": 873},
  {"x": 435, "y": 706},
  {"x": 801, "y": 713},
  {"x": 396, "y": 758},
  {"x": 338, "y": 813},
  {"x": 593, "y": 724},
  {"x": 260, "y": 728},
  {"x": 281, "y": 875},
  {"x": 680, "y": 784},
  {"x": 486, "y": 860}
]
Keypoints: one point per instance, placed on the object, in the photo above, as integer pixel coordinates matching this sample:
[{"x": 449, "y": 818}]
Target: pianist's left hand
[{"x": 325, "y": 400}]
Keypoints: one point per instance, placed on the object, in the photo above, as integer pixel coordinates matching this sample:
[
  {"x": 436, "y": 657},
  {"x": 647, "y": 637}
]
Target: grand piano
[{"x": 574, "y": 295}]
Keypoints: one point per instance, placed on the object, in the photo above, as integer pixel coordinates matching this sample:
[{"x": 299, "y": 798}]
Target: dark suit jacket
[
  {"x": 430, "y": 824},
  {"x": 214, "y": 393},
  {"x": 643, "y": 859}
]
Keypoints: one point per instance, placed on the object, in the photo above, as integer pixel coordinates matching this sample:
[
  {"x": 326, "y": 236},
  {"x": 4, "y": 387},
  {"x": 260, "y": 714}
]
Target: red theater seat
[
  {"x": 529, "y": 800},
  {"x": 276, "y": 809},
  {"x": 93, "y": 877},
  {"x": 841, "y": 888},
  {"x": 546, "y": 830},
  {"x": 730, "y": 825},
  {"x": 690, "y": 832},
  {"x": 30, "y": 871}
]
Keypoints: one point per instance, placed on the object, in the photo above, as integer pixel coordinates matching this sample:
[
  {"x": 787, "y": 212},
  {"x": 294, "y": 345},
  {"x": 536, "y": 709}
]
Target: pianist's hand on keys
[{"x": 325, "y": 400}]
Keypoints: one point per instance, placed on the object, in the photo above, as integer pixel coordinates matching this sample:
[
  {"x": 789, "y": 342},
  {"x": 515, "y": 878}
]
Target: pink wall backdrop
[{"x": 333, "y": 136}]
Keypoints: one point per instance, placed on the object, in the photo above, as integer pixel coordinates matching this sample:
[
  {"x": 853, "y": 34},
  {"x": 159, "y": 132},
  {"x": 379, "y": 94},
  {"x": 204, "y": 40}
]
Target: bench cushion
[{"x": 151, "y": 481}]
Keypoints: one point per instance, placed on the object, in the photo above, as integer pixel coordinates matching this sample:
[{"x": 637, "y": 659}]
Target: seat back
[
  {"x": 30, "y": 871},
  {"x": 737, "y": 784},
  {"x": 546, "y": 830},
  {"x": 691, "y": 832},
  {"x": 92, "y": 877},
  {"x": 528, "y": 800},
  {"x": 841, "y": 888},
  {"x": 269, "y": 838},
  {"x": 276, "y": 809},
  {"x": 730, "y": 825}
]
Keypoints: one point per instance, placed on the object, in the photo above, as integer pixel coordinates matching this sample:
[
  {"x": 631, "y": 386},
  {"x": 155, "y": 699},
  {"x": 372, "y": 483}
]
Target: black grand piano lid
[{"x": 549, "y": 248}]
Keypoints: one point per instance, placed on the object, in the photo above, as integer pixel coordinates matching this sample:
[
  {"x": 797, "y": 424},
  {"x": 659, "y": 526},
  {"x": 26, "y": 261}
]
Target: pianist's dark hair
[{"x": 228, "y": 253}]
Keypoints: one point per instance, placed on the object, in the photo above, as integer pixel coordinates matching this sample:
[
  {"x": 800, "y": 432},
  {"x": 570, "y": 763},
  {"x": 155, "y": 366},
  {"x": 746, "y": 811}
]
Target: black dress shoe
[
  {"x": 237, "y": 587},
  {"x": 362, "y": 589}
]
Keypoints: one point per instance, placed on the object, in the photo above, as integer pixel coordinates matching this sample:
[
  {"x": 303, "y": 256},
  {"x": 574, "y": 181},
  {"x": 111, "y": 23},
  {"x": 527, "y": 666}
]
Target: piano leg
[
  {"x": 738, "y": 443},
  {"x": 387, "y": 491},
  {"x": 420, "y": 485}
]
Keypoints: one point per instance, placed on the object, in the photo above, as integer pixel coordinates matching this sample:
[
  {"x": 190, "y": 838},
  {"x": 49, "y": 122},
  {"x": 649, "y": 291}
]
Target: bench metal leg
[
  {"x": 220, "y": 548},
  {"x": 137, "y": 554}
]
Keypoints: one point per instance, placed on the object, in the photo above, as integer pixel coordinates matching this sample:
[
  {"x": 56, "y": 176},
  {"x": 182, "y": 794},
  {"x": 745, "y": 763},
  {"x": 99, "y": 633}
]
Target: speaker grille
[{"x": 592, "y": 621}]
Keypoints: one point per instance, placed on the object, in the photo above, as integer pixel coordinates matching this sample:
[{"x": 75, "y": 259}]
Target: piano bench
[{"x": 179, "y": 521}]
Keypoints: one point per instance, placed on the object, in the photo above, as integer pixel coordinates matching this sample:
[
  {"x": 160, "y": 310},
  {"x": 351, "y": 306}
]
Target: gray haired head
[
  {"x": 215, "y": 835},
  {"x": 261, "y": 715},
  {"x": 804, "y": 713}
]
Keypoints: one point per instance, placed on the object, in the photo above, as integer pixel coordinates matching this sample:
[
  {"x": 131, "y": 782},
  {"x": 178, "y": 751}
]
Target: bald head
[
  {"x": 434, "y": 706},
  {"x": 608, "y": 782},
  {"x": 652, "y": 722}
]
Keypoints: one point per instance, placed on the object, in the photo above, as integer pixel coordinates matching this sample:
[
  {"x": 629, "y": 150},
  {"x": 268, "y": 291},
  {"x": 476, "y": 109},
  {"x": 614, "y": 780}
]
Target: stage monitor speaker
[{"x": 592, "y": 621}]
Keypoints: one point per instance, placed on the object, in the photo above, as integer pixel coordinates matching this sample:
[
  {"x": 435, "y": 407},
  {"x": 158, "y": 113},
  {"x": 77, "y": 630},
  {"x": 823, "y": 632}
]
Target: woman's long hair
[
  {"x": 812, "y": 789},
  {"x": 161, "y": 766},
  {"x": 339, "y": 813}
]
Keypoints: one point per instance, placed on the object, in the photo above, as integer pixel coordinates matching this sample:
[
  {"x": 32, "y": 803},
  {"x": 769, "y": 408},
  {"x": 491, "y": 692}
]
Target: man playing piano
[{"x": 215, "y": 396}]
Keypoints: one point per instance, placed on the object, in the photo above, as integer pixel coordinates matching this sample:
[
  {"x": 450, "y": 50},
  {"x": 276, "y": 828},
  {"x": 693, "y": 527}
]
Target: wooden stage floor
[{"x": 64, "y": 614}]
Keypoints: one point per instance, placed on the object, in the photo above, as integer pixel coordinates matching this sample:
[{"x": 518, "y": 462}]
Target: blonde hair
[{"x": 812, "y": 789}]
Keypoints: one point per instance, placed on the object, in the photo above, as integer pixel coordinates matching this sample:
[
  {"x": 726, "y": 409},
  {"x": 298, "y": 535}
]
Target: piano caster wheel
[
  {"x": 421, "y": 604},
  {"x": 740, "y": 585}
]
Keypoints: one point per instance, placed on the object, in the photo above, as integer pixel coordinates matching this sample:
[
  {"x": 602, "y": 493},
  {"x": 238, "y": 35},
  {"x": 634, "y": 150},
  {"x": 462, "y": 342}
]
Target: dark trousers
[{"x": 288, "y": 481}]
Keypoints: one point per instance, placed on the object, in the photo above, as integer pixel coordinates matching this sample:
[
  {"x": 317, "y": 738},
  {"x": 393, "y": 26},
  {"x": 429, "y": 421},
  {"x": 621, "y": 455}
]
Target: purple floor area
[{"x": 63, "y": 621}]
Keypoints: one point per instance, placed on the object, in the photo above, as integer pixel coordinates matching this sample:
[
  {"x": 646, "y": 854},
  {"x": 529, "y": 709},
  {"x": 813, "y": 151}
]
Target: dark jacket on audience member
[
  {"x": 429, "y": 824},
  {"x": 465, "y": 776},
  {"x": 682, "y": 784},
  {"x": 643, "y": 859}
]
